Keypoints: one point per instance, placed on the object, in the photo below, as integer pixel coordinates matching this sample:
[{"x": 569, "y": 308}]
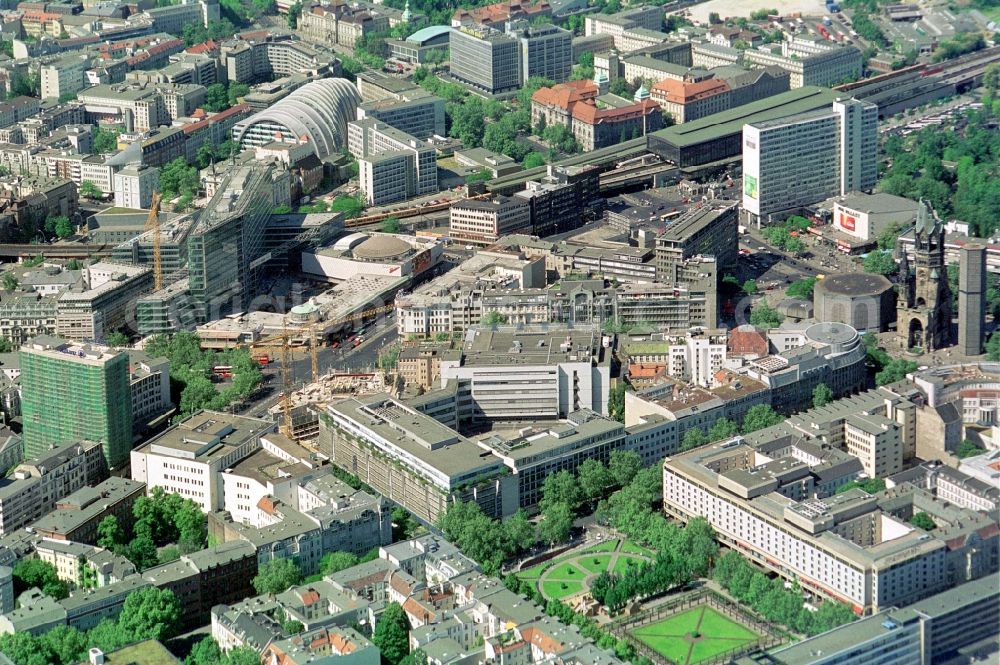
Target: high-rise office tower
[
  {"x": 75, "y": 392},
  {"x": 486, "y": 59},
  {"x": 804, "y": 159},
  {"x": 226, "y": 250},
  {"x": 971, "y": 298}
]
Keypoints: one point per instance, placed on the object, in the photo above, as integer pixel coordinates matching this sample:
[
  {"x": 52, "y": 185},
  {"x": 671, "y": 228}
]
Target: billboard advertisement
[
  {"x": 847, "y": 222},
  {"x": 750, "y": 186}
]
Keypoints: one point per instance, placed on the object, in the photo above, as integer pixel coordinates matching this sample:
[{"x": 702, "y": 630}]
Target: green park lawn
[
  {"x": 674, "y": 636},
  {"x": 606, "y": 546},
  {"x": 626, "y": 563},
  {"x": 632, "y": 548},
  {"x": 595, "y": 563},
  {"x": 534, "y": 572},
  {"x": 567, "y": 571},
  {"x": 561, "y": 589}
]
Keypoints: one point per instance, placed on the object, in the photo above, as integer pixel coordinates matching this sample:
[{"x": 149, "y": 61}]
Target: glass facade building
[{"x": 72, "y": 393}]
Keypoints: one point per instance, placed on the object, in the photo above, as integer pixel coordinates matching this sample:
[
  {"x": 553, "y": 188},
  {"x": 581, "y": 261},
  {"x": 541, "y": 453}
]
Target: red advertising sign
[{"x": 847, "y": 222}]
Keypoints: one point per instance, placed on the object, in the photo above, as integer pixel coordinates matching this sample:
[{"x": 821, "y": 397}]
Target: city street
[{"x": 329, "y": 359}]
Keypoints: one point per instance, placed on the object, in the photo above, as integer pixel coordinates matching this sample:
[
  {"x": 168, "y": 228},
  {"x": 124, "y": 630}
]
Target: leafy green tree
[
  {"x": 6, "y": 346},
  {"x": 533, "y": 160},
  {"x": 493, "y": 318},
  {"x": 178, "y": 177},
  {"x": 802, "y": 288},
  {"x": 616, "y": 401},
  {"x": 723, "y": 428},
  {"x": 894, "y": 370},
  {"x": 117, "y": 339},
  {"x": 389, "y": 225},
  {"x": 141, "y": 551},
  {"x": 235, "y": 91},
  {"x": 822, "y": 395},
  {"x": 351, "y": 206},
  {"x": 110, "y": 534},
  {"x": 150, "y": 613},
  {"x": 624, "y": 465},
  {"x": 561, "y": 488},
  {"x": 89, "y": 190},
  {"x": 482, "y": 175},
  {"x": 204, "y": 652},
  {"x": 519, "y": 532},
  {"x": 750, "y": 287},
  {"x": 276, "y": 576},
  {"x": 415, "y": 657},
  {"x": 10, "y": 282},
  {"x": 594, "y": 479},
  {"x": 205, "y": 155},
  {"x": 104, "y": 140},
  {"x": 334, "y": 562},
  {"x": 764, "y": 316},
  {"x": 64, "y": 228},
  {"x": 880, "y": 263},
  {"x": 294, "y": 11},
  {"x": 40, "y": 574},
  {"x": 216, "y": 98},
  {"x": 557, "y": 523},
  {"x": 693, "y": 438},
  {"x": 795, "y": 246},
  {"x": 871, "y": 485},
  {"x": 760, "y": 416},
  {"x": 392, "y": 634},
  {"x": 923, "y": 521},
  {"x": 168, "y": 554},
  {"x": 967, "y": 449}
]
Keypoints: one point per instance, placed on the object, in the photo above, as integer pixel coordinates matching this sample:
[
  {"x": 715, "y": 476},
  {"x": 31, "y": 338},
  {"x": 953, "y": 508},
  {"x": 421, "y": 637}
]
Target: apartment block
[
  {"x": 149, "y": 386},
  {"x": 201, "y": 580},
  {"x": 35, "y": 485},
  {"x": 188, "y": 459},
  {"x": 134, "y": 187},
  {"x": 803, "y": 159},
  {"x": 325, "y": 516},
  {"x": 94, "y": 379},
  {"x": 18, "y": 109},
  {"x": 708, "y": 231},
  {"x": 808, "y": 354},
  {"x": 277, "y": 469},
  {"x": 62, "y": 75},
  {"x": 76, "y": 516},
  {"x": 686, "y": 101},
  {"x": 485, "y": 222}
]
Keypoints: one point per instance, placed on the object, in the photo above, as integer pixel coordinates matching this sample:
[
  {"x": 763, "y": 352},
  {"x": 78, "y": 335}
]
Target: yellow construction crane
[
  {"x": 153, "y": 224},
  {"x": 286, "y": 385}
]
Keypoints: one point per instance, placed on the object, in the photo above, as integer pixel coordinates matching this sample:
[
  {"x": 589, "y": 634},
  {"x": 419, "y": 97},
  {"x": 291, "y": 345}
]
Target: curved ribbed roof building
[{"x": 317, "y": 112}]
